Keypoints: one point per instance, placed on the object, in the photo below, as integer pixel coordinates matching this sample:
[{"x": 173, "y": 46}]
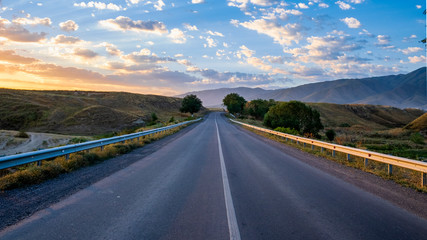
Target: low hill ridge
[
  {"x": 401, "y": 91},
  {"x": 81, "y": 112}
]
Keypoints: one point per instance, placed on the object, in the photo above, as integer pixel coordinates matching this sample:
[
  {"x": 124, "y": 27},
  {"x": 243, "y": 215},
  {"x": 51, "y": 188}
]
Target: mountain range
[{"x": 401, "y": 91}]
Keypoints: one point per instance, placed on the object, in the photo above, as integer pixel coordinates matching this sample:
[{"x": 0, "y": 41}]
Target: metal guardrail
[
  {"x": 36, "y": 156},
  {"x": 367, "y": 155}
]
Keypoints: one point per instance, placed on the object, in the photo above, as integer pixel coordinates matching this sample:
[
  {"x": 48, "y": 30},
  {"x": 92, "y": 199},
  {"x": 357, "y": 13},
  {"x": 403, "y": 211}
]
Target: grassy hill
[
  {"x": 419, "y": 124},
  {"x": 364, "y": 116},
  {"x": 80, "y": 112}
]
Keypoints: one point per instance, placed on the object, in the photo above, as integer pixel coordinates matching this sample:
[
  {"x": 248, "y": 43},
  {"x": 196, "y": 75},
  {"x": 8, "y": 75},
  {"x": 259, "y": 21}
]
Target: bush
[
  {"x": 258, "y": 108},
  {"x": 295, "y": 115},
  {"x": 345, "y": 125},
  {"x": 417, "y": 138},
  {"x": 22, "y": 134},
  {"x": 287, "y": 130},
  {"x": 172, "y": 119},
  {"x": 330, "y": 134}
]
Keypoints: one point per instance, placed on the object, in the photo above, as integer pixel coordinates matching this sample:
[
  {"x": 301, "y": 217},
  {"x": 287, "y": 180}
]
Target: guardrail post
[
  {"x": 366, "y": 162},
  {"x": 304, "y": 144},
  {"x": 102, "y": 148},
  {"x": 312, "y": 147},
  {"x": 39, "y": 163},
  {"x": 322, "y": 149},
  {"x": 423, "y": 179},
  {"x": 390, "y": 169},
  {"x": 67, "y": 156},
  {"x": 333, "y": 153},
  {"x": 348, "y": 157}
]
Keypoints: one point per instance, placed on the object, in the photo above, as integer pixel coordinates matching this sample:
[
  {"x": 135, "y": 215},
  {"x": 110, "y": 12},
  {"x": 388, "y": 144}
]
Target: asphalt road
[{"x": 217, "y": 181}]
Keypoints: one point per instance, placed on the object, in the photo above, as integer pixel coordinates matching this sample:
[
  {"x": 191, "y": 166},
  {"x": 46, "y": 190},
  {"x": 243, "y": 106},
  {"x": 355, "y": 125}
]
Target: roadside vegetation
[{"x": 376, "y": 128}]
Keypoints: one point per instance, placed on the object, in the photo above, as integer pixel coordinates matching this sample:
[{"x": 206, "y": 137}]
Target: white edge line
[{"x": 233, "y": 227}]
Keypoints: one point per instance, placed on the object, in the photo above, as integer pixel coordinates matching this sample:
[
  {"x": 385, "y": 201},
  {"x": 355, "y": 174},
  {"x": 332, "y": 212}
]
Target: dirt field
[{"x": 9, "y": 144}]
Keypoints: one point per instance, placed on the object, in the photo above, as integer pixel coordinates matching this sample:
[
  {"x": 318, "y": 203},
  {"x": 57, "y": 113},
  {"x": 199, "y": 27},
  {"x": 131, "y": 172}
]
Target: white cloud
[
  {"x": 33, "y": 21},
  {"x": 62, "y": 39},
  {"x": 417, "y": 59},
  {"x": 410, "y": 50},
  {"x": 99, "y": 5},
  {"x": 124, "y": 23},
  {"x": 356, "y": 1},
  {"x": 197, "y": 1},
  {"x": 323, "y": 5},
  {"x": 418, "y": 6},
  {"x": 234, "y": 22},
  {"x": 159, "y": 5},
  {"x": 413, "y": 36},
  {"x": 177, "y": 36},
  {"x": 85, "y": 53},
  {"x": 383, "y": 39},
  {"x": 245, "y": 51},
  {"x": 351, "y": 22},
  {"x": 343, "y": 5},
  {"x": 302, "y": 5},
  {"x": 283, "y": 35},
  {"x": 17, "y": 33},
  {"x": 210, "y": 42},
  {"x": 111, "y": 49},
  {"x": 215, "y": 33},
  {"x": 190, "y": 28},
  {"x": 69, "y": 26}
]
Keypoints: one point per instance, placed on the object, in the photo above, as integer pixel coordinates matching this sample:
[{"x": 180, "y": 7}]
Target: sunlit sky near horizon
[{"x": 170, "y": 47}]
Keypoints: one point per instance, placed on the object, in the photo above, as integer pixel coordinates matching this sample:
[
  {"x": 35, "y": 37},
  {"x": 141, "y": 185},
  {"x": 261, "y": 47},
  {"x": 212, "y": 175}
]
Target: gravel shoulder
[
  {"x": 403, "y": 197},
  {"x": 18, "y": 204}
]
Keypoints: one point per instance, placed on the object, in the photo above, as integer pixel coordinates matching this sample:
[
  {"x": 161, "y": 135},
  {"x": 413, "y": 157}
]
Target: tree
[
  {"x": 259, "y": 107},
  {"x": 234, "y": 103},
  {"x": 191, "y": 103},
  {"x": 295, "y": 115}
]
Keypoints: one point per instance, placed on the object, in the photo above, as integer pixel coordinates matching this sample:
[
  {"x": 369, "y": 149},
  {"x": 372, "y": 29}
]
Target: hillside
[
  {"x": 79, "y": 112},
  {"x": 419, "y": 124},
  {"x": 401, "y": 91},
  {"x": 364, "y": 116}
]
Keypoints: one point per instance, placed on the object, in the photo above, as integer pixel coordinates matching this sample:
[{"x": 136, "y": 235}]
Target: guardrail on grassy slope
[
  {"x": 367, "y": 155},
  {"x": 37, "y": 156}
]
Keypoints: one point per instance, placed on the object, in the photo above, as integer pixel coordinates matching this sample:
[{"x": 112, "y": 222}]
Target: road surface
[{"x": 218, "y": 181}]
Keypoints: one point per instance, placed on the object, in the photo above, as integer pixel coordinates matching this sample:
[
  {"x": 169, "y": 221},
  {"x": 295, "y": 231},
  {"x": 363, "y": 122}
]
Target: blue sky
[{"x": 171, "y": 47}]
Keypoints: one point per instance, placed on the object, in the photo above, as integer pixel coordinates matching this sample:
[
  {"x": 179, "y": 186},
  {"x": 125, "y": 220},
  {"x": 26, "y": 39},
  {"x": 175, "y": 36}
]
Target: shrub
[
  {"x": 330, "y": 134},
  {"x": 417, "y": 138},
  {"x": 287, "y": 130},
  {"x": 172, "y": 119},
  {"x": 295, "y": 115},
  {"x": 258, "y": 108},
  {"x": 345, "y": 125}
]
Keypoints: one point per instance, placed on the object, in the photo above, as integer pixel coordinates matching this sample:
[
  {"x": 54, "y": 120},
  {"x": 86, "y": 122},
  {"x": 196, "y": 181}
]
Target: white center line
[{"x": 233, "y": 228}]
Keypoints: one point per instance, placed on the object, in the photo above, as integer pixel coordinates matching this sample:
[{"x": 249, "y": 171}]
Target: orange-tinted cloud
[{"x": 10, "y": 56}]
